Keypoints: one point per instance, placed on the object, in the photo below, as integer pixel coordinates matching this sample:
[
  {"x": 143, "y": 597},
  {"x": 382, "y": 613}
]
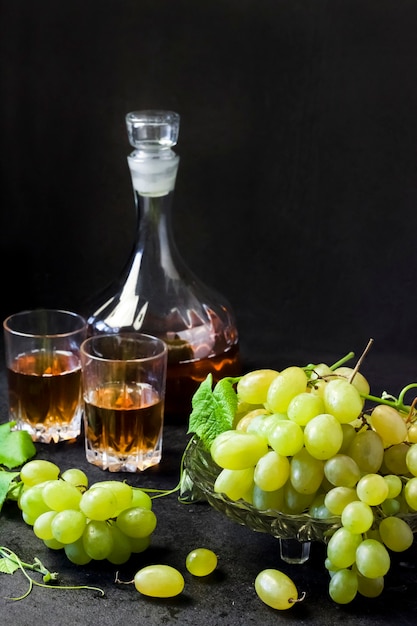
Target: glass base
[
  {"x": 51, "y": 434},
  {"x": 293, "y": 551},
  {"x": 109, "y": 460}
]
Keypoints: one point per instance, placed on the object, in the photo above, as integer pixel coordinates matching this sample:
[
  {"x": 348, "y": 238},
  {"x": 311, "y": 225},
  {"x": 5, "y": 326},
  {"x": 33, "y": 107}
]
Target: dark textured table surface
[{"x": 227, "y": 596}]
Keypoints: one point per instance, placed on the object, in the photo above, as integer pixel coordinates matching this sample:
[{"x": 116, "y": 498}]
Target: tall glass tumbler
[
  {"x": 124, "y": 380},
  {"x": 42, "y": 349}
]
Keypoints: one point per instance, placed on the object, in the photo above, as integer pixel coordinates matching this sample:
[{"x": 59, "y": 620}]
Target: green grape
[
  {"x": 286, "y": 438},
  {"x": 76, "y": 553},
  {"x": 395, "y": 459},
  {"x": 121, "y": 549},
  {"x": 201, "y": 562},
  {"x": 99, "y": 503},
  {"x": 318, "y": 509},
  {"x": 396, "y": 534},
  {"x": 294, "y": 501},
  {"x": 342, "y": 547},
  {"x": 159, "y": 581},
  {"x": 388, "y": 423},
  {"x": 60, "y": 495},
  {"x": 42, "y": 525},
  {"x": 235, "y": 484},
  {"x": 304, "y": 406},
  {"x": 349, "y": 433},
  {"x": 38, "y": 471},
  {"x": 121, "y": 491},
  {"x": 411, "y": 459},
  {"x": 323, "y": 436},
  {"x": 139, "y": 544},
  {"x": 276, "y": 589},
  {"x": 243, "y": 421},
  {"x": 271, "y": 471},
  {"x": 359, "y": 381},
  {"x": 357, "y": 517},
  {"x": 395, "y": 485},
  {"x": 32, "y": 504},
  {"x": 264, "y": 500},
  {"x": 343, "y": 586},
  {"x": 53, "y": 544},
  {"x": 412, "y": 433},
  {"x": 391, "y": 506},
  {"x": 337, "y": 498},
  {"x": 97, "y": 540},
  {"x": 136, "y": 522},
  {"x": 285, "y": 386},
  {"x": 372, "y": 559},
  {"x": 342, "y": 400},
  {"x": 76, "y": 477},
  {"x": 264, "y": 423},
  {"x": 370, "y": 587},
  {"x": 372, "y": 489},
  {"x": 306, "y": 472},
  {"x": 367, "y": 449},
  {"x": 68, "y": 526},
  {"x": 253, "y": 386},
  {"x": 237, "y": 450},
  {"x": 319, "y": 377},
  {"x": 342, "y": 471},
  {"x": 141, "y": 499},
  {"x": 410, "y": 493}
]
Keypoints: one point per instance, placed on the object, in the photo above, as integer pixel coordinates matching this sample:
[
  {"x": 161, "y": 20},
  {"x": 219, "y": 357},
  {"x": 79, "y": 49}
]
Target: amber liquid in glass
[
  {"x": 45, "y": 391},
  {"x": 124, "y": 427},
  {"x": 183, "y": 379}
]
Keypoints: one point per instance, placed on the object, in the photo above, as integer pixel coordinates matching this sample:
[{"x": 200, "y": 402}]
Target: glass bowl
[{"x": 295, "y": 532}]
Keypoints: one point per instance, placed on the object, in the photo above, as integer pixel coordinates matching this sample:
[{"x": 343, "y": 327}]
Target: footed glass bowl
[{"x": 295, "y": 532}]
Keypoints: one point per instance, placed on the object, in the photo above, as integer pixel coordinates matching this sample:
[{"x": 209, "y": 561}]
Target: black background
[{"x": 297, "y": 189}]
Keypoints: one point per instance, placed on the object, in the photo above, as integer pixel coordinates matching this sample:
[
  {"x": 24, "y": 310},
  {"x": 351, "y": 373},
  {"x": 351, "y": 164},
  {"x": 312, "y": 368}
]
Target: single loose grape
[
  {"x": 159, "y": 581},
  {"x": 201, "y": 562},
  {"x": 38, "y": 471},
  {"x": 276, "y": 589}
]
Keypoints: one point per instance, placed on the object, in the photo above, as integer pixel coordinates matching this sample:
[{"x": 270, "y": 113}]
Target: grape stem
[{"x": 37, "y": 566}]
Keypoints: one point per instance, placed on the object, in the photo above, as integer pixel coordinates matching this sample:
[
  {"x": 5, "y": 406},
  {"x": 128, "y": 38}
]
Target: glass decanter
[{"x": 157, "y": 293}]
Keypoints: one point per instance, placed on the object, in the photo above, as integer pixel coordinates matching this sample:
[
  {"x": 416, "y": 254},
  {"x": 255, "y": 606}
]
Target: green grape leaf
[
  {"x": 6, "y": 478},
  {"x": 7, "y": 566},
  {"x": 213, "y": 410},
  {"x": 16, "y": 446}
]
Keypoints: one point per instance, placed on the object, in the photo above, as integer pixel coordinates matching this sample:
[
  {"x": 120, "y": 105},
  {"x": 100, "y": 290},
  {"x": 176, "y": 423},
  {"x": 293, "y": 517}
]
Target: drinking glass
[
  {"x": 42, "y": 349},
  {"x": 124, "y": 380}
]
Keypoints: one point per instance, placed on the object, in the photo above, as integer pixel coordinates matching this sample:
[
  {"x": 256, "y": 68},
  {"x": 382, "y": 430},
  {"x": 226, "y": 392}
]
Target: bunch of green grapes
[
  {"x": 106, "y": 520},
  {"x": 303, "y": 441}
]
